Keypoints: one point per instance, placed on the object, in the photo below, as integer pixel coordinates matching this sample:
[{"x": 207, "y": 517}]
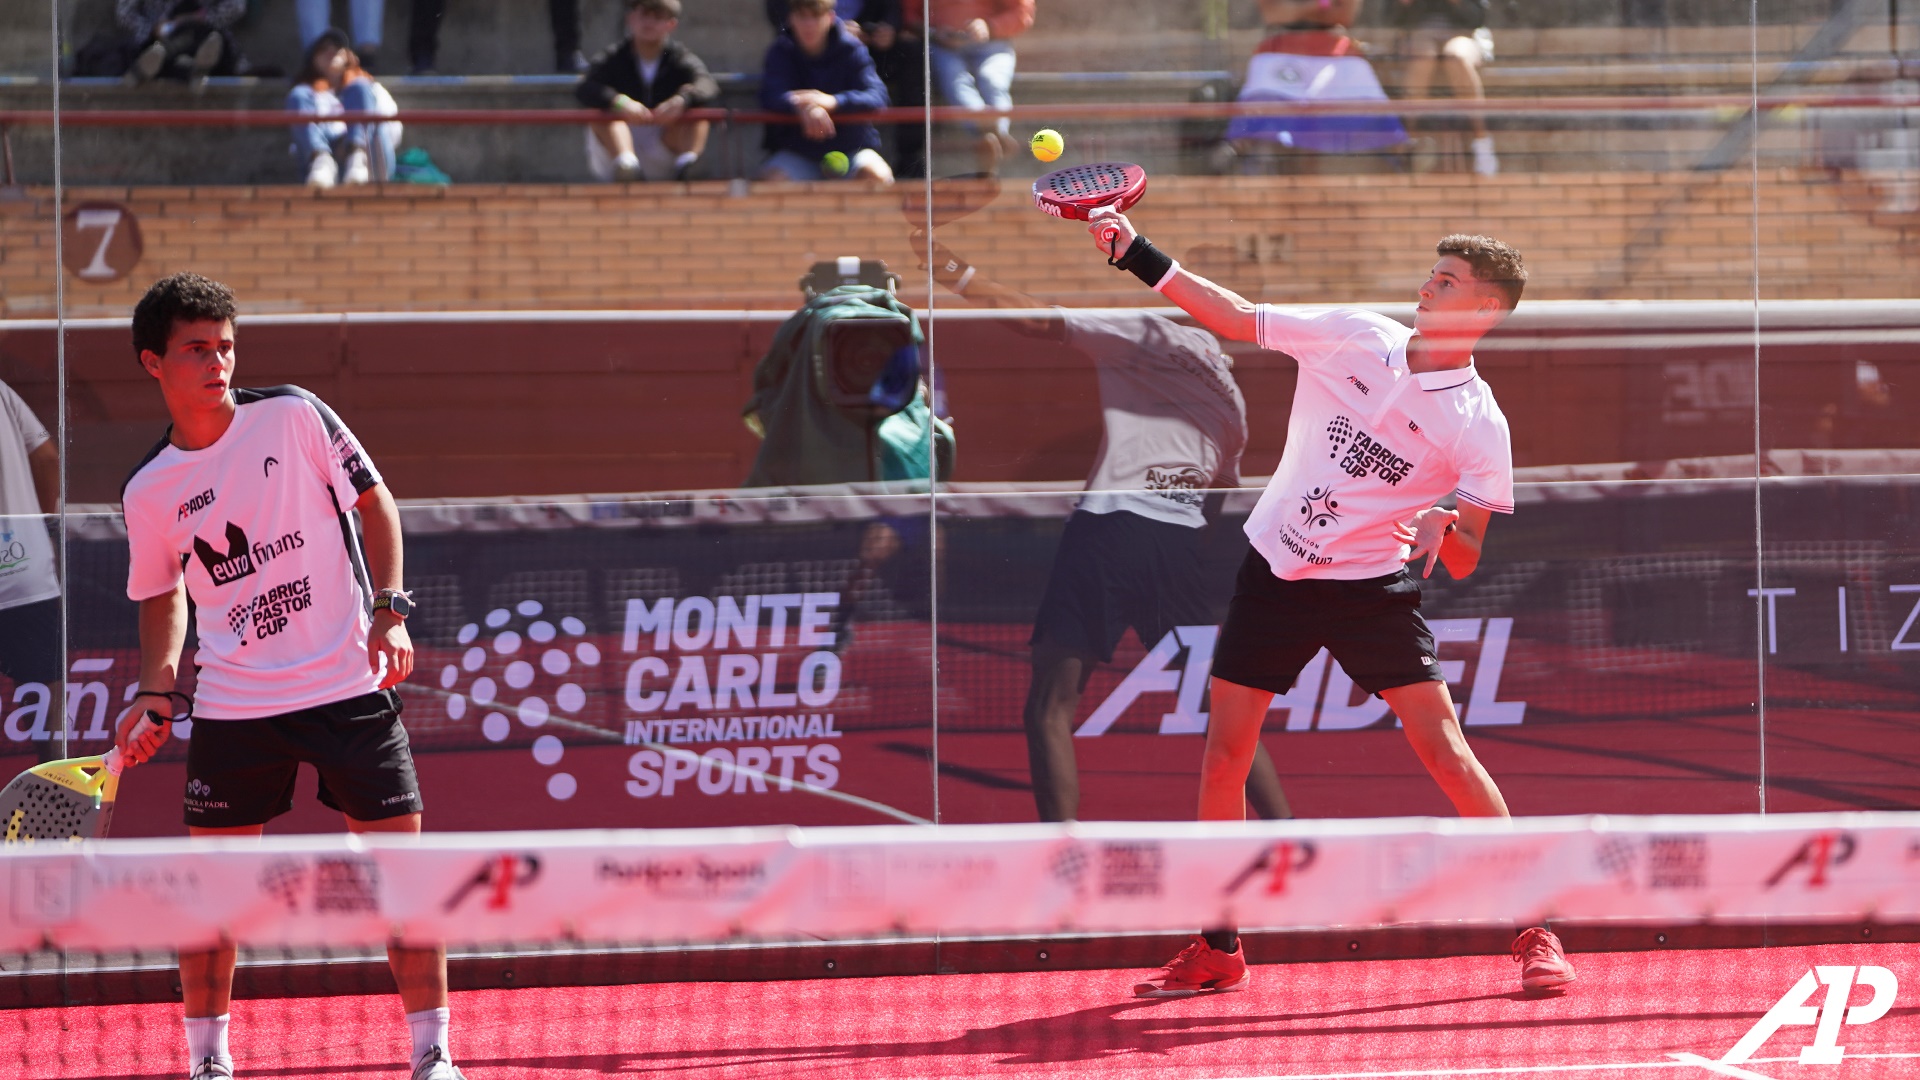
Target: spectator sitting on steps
[
  {"x": 817, "y": 71},
  {"x": 180, "y": 39},
  {"x": 329, "y": 83},
  {"x": 970, "y": 51},
  {"x": 646, "y": 84},
  {"x": 1452, "y": 35}
]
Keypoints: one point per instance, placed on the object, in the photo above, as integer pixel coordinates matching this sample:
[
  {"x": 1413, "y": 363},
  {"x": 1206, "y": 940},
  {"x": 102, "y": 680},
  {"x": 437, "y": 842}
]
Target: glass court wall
[{"x": 685, "y": 557}]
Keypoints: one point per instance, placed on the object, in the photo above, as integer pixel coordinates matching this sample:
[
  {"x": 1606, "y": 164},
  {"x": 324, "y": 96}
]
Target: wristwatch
[{"x": 401, "y": 604}]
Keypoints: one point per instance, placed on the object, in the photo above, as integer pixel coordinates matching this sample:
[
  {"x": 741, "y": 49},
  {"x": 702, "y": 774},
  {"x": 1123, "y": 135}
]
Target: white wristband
[
  {"x": 1168, "y": 276},
  {"x": 960, "y": 287}
]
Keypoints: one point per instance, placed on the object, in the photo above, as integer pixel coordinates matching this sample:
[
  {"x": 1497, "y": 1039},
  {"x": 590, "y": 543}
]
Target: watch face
[{"x": 402, "y": 606}]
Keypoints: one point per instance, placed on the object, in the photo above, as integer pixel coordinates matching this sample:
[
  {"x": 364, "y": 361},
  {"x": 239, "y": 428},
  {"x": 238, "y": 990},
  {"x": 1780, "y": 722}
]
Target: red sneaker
[
  {"x": 1200, "y": 968},
  {"x": 1543, "y": 963}
]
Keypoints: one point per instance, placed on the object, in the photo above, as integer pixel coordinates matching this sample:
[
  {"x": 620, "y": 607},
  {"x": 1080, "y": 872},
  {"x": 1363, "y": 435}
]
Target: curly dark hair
[
  {"x": 184, "y": 297},
  {"x": 1493, "y": 262}
]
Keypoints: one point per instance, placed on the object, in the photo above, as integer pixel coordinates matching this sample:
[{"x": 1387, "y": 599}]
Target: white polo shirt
[
  {"x": 1370, "y": 444},
  {"x": 258, "y": 524},
  {"x": 26, "y": 551},
  {"x": 1174, "y": 422}
]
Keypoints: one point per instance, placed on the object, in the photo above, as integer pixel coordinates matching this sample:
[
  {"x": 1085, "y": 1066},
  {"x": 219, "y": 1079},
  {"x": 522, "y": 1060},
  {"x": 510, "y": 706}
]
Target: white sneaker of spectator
[
  {"x": 358, "y": 171},
  {"x": 1484, "y": 162},
  {"x": 626, "y": 167},
  {"x": 322, "y": 174}
]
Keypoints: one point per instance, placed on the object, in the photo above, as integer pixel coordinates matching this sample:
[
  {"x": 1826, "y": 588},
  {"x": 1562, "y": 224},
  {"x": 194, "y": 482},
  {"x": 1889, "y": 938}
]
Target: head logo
[
  {"x": 1339, "y": 432},
  {"x": 1792, "y": 1010},
  {"x": 266, "y": 467},
  {"x": 1820, "y": 852},
  {"x": 496, "y": 879},
  {"x": 522, "y": 645},
  {"x": 1318, "y": 508},
  {"x": 230, "y": 566},
  {"x": 1279, "y": 862}
]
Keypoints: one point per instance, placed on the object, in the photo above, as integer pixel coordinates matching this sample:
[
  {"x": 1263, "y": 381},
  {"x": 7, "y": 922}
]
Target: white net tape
[{"x": 787, "y": 883}]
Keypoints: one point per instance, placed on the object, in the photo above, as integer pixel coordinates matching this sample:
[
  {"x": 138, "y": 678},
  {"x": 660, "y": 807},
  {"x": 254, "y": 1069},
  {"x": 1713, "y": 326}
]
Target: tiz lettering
[{"x": 1825, "y": 1018}]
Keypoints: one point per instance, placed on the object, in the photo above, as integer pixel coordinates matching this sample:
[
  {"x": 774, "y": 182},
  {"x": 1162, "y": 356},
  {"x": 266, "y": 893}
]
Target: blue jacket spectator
[{"x": 816, "y": 71}]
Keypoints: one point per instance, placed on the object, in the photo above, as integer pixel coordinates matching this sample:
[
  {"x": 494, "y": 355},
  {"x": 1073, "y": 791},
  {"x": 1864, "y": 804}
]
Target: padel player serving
[
  {"x": 247, "y": 507},
  {"x": 1386, "y": 422}
]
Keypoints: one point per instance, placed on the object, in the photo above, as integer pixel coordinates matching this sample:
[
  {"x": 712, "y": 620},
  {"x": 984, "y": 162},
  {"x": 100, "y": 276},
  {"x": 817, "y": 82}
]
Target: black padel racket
[{"x": 1075, "y": 192}]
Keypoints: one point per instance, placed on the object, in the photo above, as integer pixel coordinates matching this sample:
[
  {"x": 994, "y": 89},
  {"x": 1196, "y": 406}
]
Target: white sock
[
  {"x": 429, "y": 1028},
  {"x": 207, "y": 1038},
  {"x": 685, "y": 159},
  {"x": 626, "y": 161}
]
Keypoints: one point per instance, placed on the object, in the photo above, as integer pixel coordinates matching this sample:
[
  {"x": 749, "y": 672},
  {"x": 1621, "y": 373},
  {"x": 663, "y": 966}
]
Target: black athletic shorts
[
  {"x": 1117, "y": 570},
  {"x": 1372, "y": 627},
  {"x": 30, "y": 642},
  {"x": 240, "y": 772}
]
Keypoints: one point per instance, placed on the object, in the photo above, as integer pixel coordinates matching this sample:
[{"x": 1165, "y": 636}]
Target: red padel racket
[{"x": 1077, "y": 191}]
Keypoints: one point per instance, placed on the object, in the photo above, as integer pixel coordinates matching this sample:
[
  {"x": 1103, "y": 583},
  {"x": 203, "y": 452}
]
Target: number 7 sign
[{"x": 100, "y": 242}]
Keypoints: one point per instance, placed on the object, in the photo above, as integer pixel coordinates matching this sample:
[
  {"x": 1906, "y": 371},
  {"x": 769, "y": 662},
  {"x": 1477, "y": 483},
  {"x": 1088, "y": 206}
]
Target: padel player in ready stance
[
  {"x": 246, "y": 506},
  {"x": 1385, "y": 422}
]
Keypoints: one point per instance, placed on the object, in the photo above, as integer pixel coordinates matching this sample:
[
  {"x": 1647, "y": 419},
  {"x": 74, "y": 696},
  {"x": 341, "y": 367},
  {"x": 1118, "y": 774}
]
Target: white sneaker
[
  {"x": 435, "y": 1066},
  {"x": 1484, "y": 162},
  {"x": 211, "y": 1069},
  {"x": 358, "y": 171},
  {"x": 323, "y": 173},
  {"x": 626, "y": 168}
]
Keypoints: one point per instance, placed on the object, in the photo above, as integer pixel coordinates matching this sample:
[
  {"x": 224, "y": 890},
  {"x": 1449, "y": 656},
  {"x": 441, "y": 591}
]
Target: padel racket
[
  {"x": 1076, "y": 191},
  {"x": 61, "y": 800}
]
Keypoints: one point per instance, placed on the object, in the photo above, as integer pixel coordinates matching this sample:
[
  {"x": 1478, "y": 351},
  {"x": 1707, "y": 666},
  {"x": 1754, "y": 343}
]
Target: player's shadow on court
[{"x": 1104, "y": 1031}]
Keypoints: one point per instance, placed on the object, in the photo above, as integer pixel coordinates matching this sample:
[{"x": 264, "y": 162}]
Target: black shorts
[
  {"x": 240, "y": 772},
  {"x": 1117, "y": 570},
  {"x": 30, "y": 642},
  {"x": 1372, "y": 627}
]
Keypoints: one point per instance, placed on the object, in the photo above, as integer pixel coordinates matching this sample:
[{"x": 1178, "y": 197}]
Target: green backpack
[{"x": 838, "y": 398}]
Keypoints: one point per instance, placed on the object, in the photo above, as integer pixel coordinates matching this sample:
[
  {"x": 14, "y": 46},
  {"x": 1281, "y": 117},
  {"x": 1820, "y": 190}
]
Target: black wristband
[{"x": 1144, "y": 261}]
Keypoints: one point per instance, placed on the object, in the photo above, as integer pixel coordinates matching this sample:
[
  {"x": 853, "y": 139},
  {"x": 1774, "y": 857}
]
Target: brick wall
[{"x": 1293, "y": 239}]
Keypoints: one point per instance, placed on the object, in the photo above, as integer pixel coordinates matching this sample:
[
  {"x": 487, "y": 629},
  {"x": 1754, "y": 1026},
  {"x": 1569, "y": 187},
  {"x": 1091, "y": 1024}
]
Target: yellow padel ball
[{"x": 1047, "y": 144}]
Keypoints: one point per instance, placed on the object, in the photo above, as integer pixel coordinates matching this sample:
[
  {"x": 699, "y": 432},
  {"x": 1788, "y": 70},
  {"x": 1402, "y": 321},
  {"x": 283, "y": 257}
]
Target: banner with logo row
[{"x": 772, "y": 883}]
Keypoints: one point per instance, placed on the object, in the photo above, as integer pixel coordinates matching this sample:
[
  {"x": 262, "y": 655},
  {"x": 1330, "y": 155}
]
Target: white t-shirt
[
  {"x": 1175, "y": 423},
  {"x": 259, "y": 524},
  {"x": 1369, "y": 444},
  {"x": 26, "y": 550}
]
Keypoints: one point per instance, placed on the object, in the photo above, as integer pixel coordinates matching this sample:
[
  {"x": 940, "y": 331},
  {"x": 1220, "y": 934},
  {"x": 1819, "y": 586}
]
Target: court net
[{"x": 91, "y": 929}]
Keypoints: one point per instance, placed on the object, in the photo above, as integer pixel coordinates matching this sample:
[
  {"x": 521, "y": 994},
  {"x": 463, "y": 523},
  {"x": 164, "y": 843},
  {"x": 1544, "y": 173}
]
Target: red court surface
[{"x": 1665, "y": 1014}]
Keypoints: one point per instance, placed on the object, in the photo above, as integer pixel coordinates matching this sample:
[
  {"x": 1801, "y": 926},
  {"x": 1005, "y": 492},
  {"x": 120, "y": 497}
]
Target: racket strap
[{"x": 1146, "y": 262}]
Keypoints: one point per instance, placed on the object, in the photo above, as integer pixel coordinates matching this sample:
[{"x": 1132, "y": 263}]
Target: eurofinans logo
[{"x": 1825, "y": 1018}]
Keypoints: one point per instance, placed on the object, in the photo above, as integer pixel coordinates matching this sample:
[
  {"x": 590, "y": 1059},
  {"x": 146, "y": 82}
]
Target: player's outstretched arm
[
  {"x": 1219, "y": 309},
  {"x": 388, "y": 641},
  {"x": 1452, "y": 537},
  {"x": 163, "y": 633}
]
